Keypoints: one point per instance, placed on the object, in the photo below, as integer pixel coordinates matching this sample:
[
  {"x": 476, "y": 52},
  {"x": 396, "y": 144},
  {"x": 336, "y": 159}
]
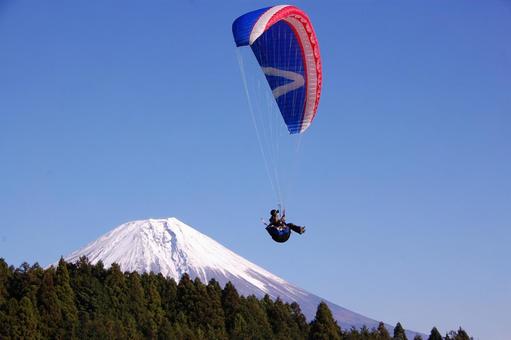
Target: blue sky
[{"x": 115, "y": 111}]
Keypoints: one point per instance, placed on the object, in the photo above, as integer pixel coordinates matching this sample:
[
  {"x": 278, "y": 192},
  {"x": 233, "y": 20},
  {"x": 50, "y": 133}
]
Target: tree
[
  {"x": 49, "y": 306},
  {"x": 240, "y": 329},
  {"x": 202, "y": 315},
  {"x": 435, "y": 334},
  {"x": 11, "y": 329},
  {"x": 256, "y": 318},
  {"x": 351, "y": 334},
  {"x": 278, "y": 319},
  {"x": 399, "y": 332},
  {"x": 116, "y": 288},
  {"x": 461, "y": 335},
  {"x": 299, "y": 319},
  {"x": 153, "y": 302},
  {"x": 66, "y": 299},
  {"x": 5, "y": 274},
  {"x": 27, "y": 320},
  {"x": 381, "y": 332},
  {"x": 137, "y": 304},
  {"x": 166, "y": 331},
  {"x": 26, "y": 281},
  {"x": 90, "y": 295},
  {"x": 215, "y": 312},
  {"x": 168, "y": 293},
  {"x": 181, "y": 328},
  {"x": 364, "y": 333},
  {"x": 230, "y": 305},
  {"x": 324, "y": 326}
]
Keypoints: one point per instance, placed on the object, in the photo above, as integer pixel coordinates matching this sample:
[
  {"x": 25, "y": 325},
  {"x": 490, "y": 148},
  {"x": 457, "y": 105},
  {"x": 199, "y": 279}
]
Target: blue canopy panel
[
  {"x": 280, "y": 55},
  {"x": 242, "y": 26},
  {"x": 285, "y": 45}
]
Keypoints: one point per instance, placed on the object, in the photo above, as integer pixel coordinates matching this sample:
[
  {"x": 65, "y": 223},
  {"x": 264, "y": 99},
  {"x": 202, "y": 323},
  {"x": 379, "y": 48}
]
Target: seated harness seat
[{"x": 280, "y": 235}]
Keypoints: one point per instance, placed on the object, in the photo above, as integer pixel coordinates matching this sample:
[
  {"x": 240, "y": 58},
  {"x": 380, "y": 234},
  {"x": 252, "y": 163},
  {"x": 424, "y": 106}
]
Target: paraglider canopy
[{"x": 284, "y": 42}]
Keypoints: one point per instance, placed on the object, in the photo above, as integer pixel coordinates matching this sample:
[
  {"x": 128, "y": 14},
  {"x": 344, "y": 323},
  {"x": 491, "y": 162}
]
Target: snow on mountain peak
[{"x": 170, "y": 247}]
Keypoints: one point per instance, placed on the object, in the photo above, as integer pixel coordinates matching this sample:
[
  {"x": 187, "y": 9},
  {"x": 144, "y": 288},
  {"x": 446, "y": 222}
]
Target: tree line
[{"x": 84, "y": 301}]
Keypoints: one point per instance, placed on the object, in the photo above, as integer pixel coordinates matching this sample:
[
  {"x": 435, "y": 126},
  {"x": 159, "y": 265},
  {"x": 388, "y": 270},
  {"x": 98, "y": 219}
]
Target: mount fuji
[{"x": 172, "y": 248}]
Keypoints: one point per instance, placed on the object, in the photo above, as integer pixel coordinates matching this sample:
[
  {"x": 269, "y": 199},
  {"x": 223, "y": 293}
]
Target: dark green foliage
[
  {"x": 27, "y": 319},
  {"x": 382, "y": 333},
  {"x": 399, "y": 333},
  {"x": 352, "y": 334},
  {"x": 11, "y": 329},
  {"x": 435, "y": 334},
  {"x": 5, "y": 274},
  {"x": 85, "y": 301},
  {"x": 301, "y": 326},
  {"x": 365, "y": 333},
  {"x": 231, "y": 305},
  {"x": 66, "y": 298},
  {"x": 324, "y": 326},
  {"x": 459, "y": 335},
  {"x": 50, "y": 310},
  {"x": 256, "y": 318}
]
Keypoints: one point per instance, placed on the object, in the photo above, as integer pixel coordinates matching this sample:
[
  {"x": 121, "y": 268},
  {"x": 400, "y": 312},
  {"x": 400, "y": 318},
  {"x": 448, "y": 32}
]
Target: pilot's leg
[{"x": 296, "y": 229}]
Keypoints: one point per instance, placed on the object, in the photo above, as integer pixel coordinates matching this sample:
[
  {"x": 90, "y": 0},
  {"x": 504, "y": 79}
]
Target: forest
[{"x": 84, "y": 301}]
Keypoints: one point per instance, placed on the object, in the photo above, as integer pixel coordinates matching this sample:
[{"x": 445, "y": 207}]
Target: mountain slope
[{"x": 173, "y": 248}]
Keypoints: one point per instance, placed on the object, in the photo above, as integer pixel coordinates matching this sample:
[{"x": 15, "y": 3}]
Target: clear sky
[{"x": 112, "y": 111}]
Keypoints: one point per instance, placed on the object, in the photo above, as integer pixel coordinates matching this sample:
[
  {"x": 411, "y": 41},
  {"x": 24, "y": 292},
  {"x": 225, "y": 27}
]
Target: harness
[{"x": 279, "y": 234}]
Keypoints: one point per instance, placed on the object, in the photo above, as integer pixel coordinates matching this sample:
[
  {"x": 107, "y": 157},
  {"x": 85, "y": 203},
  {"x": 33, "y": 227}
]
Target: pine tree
[
  {"x": 168, "y": 293},
  {"x": 240, "y": 329},
  {"x": 191, "y": 300},
  {"x": 301, "y": 322},
  {"x": 26, "y": 281},
  {"x": 351, "y": 334},
  {"x": 90, "y": 295},
  {"x": 116, "y": 289},
  {"x": 364, "y": 333},
  {"x": 5, "y": 274},
  {"x": 27, "y": 320},
  {"x": 256, "y": 318},
  {"x": 435, "y": 334},
  {"x": 215, "y": 312},
  {"x": 280, "y": 320},
  {"x": 137, "y": 304},
  {"x": 66, "y": 298},
  {"x": 417, "y": 337},
  {"x": 324, "y": 326},
  {"x": 11, "y": 328},
  {"x": 181, "y": 328},
  {"x": 230, "y": 305},
  {"x": 185, "y": 298},
  {"x": 49, "y": 307},
  {"x": 202, "y": 312},
  {"x": 153, "y": 298},
  {"x": 399, "y": 332},
  {"x": 461, "y": 335},
  {"x": 166, "y": 331},
  {"x": 381, "y": 332}
]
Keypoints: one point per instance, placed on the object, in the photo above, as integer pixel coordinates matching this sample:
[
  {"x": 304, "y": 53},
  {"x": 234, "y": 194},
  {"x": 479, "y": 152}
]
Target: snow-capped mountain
[{"x": 170, "y": 247}]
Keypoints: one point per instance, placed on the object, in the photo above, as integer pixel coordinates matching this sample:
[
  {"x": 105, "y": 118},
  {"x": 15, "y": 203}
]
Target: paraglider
[
  {"x": 279, "y": 229},
  {"x": 286, "y": 48}
]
